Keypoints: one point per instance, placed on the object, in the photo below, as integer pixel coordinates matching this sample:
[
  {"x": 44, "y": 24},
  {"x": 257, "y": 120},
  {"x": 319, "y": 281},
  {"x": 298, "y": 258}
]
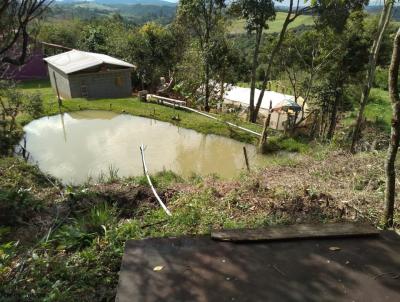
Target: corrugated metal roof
[{"x": 76, "y": 60}]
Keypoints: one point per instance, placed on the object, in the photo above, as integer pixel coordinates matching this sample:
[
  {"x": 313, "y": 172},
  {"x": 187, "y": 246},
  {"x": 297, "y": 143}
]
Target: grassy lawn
[
  {"x": 379, "y": 108},
  {"x": 378, "y": 111},
  {"x": 237, "y": 26},
  {"x": 135, "y": 107}
]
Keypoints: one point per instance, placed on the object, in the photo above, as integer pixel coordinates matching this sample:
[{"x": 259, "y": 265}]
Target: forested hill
[
  {"x": 376, "y": 9},
  {"x": 112, "y": 2},
  {"x": 147, "y": 10}
]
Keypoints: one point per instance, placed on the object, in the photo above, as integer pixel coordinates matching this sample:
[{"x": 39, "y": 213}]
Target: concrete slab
[{"x": 201, "y": 269}]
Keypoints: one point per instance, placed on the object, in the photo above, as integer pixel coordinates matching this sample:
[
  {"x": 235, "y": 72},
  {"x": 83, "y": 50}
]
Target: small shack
[
  {"x": 240, "y": 96},
  {"x": 76, "y": 74}
]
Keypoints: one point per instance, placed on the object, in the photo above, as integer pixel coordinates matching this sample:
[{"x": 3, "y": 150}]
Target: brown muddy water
[{"x": 75, "y": 147}]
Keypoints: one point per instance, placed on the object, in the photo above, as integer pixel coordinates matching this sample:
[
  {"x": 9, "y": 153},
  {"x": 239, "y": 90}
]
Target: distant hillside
[
  {"x": 376, "y": 9},
  {"x": 135, "y": 13},
  {"x": 112, "y": 2},
  {"x": 144, "y": 2},
  {"x": 237, "y": 26}
]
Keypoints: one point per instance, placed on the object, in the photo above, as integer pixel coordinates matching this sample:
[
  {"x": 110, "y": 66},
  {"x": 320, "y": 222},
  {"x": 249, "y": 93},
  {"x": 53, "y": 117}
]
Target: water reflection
[{"x": 75, "y": 146}]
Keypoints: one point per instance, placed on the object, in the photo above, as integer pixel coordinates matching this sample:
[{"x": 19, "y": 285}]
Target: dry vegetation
[{"x": 338, "y": 187}]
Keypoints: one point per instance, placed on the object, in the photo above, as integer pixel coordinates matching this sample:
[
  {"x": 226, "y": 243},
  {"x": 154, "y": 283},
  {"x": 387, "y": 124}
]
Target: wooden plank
[{"x": 297, "y": 231}]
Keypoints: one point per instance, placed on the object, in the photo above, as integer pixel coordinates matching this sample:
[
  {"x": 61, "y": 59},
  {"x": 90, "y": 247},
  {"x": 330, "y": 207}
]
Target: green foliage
[
  {"x": 155, "y": 50},
  {"x": 131, "y": 13},
  {"x": 205, "y": 19},
  {"x": 66, "y": 33},
  {"x": 12, "y": 104},
  {"x": 289, "y": 144},
  {"x": 255, "y": 13},
  {"x": 17, "y": 206},
  {"x": 334, "y": 14},
  {"x": 33, "y": 105},
  {"x": 81, "y": 231},
  {"x": 379, "y": 109}
]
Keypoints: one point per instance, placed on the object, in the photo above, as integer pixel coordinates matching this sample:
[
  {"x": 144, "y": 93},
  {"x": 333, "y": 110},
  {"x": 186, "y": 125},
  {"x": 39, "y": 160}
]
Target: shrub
[
  {"x": 283, "y": 143},
  {"x": 17, "y": 206},
  {"x": 381, "y": 78},
  {"x": 81, "y": 231}
]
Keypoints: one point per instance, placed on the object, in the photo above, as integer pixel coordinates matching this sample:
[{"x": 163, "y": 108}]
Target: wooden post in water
[{"x": 246, "y": 158}]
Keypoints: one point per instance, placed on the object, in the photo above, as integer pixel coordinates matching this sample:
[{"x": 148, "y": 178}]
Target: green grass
[
  {"x": 379, "y": 109},
  {"x": 135, "y": 107},
  {"x": 238, "y": 25}
]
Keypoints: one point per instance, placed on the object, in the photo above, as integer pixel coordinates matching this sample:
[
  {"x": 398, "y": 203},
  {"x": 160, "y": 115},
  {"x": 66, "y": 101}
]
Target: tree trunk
[
  {"x": 373, "y": 57},
  {"x": 394, "y": 133},
  {"x": 252, "y": 116},
  {"x": 207, "y": 88},
  {"x": 334, "y": 111},
  {"x": 289, "y": 19},
  {"x": 264, "y": 136}
]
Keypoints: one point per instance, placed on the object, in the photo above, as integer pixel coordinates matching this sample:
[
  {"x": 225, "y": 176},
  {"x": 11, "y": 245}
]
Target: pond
[{"x": 75, "y": 147}]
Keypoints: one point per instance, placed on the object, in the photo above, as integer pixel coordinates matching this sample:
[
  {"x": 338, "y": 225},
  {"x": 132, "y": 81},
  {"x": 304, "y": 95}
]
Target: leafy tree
[
  {"x": 93, "y": 39},
  {"x": 256, "y": 13},
  {"x": 65, "y": 33},
  {"x": 190, "y": 74},
  {"x": 225, "y": 60},
  {"x": 203, "y": 18},
  {"x": 373, "y": 59},
  {"x": 324, "y": 10},
  {"x": 155, "y": 50},
  {"x": 13, "y": 103},
  {"x": 15, "y": 19},
  {"x": 302, "y": 60}
]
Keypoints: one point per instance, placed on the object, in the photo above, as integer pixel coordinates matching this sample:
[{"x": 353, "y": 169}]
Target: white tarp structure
[{"x": 241, "y": 95}]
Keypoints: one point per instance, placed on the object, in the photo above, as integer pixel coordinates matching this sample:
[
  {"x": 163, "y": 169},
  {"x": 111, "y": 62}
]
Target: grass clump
[
  {"x": 82, "y": 230},
  {"x": 284, "y": 143}
]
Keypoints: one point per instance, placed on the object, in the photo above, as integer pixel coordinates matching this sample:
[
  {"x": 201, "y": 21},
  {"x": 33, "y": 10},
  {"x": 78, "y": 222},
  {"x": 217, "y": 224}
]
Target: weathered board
[
  {"x": 204, "y": 270},
  {"x": 298, "y": 231}
]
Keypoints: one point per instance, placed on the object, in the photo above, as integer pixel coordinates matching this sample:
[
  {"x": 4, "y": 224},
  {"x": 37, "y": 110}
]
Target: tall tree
[
  {"x": 203, "y": 18},
  {"x": 373, "y": 58},
  {"x": 394, "y": 134},
  {"x": 15, "y": 17},
  {"x": 256, "y": 13},
  {"x": 294, "y": 11},
  {"x": 155, "y": 50},
  {"x": 329, "y": 12}
]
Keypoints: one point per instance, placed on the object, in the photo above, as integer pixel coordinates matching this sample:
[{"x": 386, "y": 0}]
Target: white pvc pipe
[
  {"x": 209, "y": 116},
  {"x": 151, "y": 184}
]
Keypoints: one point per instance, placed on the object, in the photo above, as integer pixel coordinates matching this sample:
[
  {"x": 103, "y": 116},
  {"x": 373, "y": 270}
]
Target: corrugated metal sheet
[{"x": 76, "y": 60}]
